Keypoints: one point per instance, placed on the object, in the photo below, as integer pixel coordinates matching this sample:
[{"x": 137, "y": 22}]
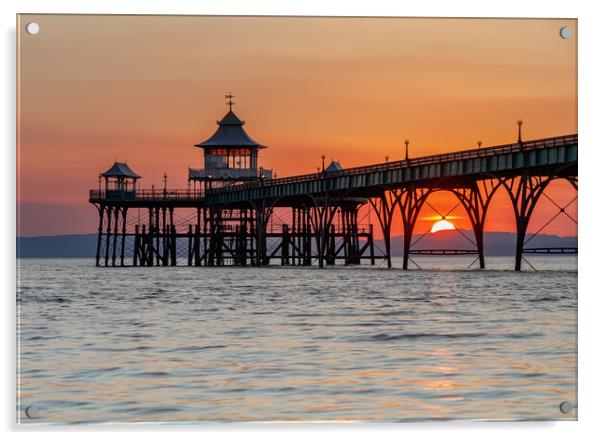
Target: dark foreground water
[{"x": 231, "y": 344}]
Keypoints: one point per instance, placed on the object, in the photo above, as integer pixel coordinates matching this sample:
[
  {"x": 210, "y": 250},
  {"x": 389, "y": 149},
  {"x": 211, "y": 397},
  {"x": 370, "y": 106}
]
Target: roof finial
[{"x": 230, "y": 102}]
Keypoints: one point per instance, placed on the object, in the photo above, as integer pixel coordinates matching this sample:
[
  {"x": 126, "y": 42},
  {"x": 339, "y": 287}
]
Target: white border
[{"x": 590, "y": 76}]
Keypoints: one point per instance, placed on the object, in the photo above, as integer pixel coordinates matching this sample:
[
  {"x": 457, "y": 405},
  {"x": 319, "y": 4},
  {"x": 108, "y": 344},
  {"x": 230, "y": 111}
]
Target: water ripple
[{"x": 228, "y": 344}]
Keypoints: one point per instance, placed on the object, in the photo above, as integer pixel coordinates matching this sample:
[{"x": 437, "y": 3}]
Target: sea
[{"x": 346, "y": 343}]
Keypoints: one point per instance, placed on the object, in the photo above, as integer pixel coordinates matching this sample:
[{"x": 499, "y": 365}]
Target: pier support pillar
[
  {"x": 263, "y": 213},
  {"x": 115, "y": 234},
  {"x": 108, "y": 234},
  {"x": 101, "y": 210},
  {"x": 524, "y": 192},
  {"x": 136, "y": 245},
  {"x": 123, "y": 232},
  {"x": 371, "y": 245},
  {"x": 284, "y": 252},
  {"x": 384, "y": 207},
  {"x": 323, "y": 215},
  {"x": 476, "y": 199},
  {"x": 410, "y": 202},
  {"x": 157, "y": 237},
  {"x": 149, "y": 253}
]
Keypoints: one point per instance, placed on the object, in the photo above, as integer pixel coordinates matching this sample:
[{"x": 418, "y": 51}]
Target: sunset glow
[{"x": 349, "y": 88}]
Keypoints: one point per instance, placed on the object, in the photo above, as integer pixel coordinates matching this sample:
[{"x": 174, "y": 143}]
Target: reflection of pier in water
[{"x": 234, "y": 212}]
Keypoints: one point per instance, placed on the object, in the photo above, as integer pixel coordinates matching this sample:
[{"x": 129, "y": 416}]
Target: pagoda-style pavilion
[
  {"x": 119, "y": 181},
  {"x": 231, "y": 155},
  {"x": 334, "y": 166}
]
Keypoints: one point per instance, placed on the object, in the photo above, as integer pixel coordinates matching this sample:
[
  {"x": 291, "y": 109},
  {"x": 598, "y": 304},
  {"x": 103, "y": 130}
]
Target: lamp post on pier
[
  {"x": 165, "y": 185},
  {"x": 520, "y": 140},
  {"x": 323, "y": 167},
  {"x": 407, "y": 142}
]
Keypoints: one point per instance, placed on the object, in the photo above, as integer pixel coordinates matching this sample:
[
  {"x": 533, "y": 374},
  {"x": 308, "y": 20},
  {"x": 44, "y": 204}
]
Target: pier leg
[
  {"x": 285, "y": 246},
  {"x": 346, "y": 236},
  {"x": 136, "y": 244},
  {"x": 190, "y": 245},
  {"x": 219, "y": 239},
  {"x": 349, "y": 234},
  {"x": 101, "y": 210},
  {"x": 322, "y": 218},
  {"x": 164, "y": 238},
  {"x": 262, "y": 218},
  {"x": 371, "y": 244},
  {"x": 410, "y": 201},
  {"x": 244, "y": 237},
  {"x": 108, "y": 234},
  {"x": 524, "y": 192},
  {"x": 212, "y": 237},
  {"x": 172, "y": 247},
  {"x": 384, "y": 207},
  {"x": 355, "y": 241},
  {"x": 123, "y": 231},
  {"x": 173, "y": 239},
  {"x": 197, "y": 246},
  {"x": 157, "y": 234},
  {"x": 476, "y": 199},
  {"x": 148, "y": 239},
  {"x": 292, "y": 237},
  {"x": 144, "y": 247},
  {"x": 331, "y": 246},
  {"x": 115, "y": 233},
  {"x": 307, "y": 236}
]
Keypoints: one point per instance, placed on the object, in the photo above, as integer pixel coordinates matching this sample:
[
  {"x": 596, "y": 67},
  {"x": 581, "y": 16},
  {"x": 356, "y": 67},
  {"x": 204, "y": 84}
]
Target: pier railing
[
  {"x": 196, "y": 194},
  {"x": 145, "y": 194},
  {"x": 425, "y": 160}
]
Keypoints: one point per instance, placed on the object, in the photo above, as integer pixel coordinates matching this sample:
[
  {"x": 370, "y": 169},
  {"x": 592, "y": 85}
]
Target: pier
[{"x": 235, "y": 212}]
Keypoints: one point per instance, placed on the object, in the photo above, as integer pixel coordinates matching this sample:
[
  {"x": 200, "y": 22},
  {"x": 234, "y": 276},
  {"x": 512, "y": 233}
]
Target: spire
[{"x": 230, "y": 103}]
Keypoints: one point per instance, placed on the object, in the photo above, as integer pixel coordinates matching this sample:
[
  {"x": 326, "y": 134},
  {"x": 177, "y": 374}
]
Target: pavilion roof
[
  {"x": 120, "y": 169},
  {"x": 230, "y": 133},
  {"x": 334, "y": 166}
]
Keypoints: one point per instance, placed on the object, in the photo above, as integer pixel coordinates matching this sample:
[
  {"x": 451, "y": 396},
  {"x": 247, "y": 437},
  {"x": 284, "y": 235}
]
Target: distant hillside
[
  {"x": 57, "y": 246},
  {"x": 496, "y": 244}
]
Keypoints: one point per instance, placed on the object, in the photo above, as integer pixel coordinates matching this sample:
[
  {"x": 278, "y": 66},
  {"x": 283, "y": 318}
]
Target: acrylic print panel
[{"x": 381, "y": 225}]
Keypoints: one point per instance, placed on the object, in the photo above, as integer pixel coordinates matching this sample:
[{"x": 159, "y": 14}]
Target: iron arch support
[
  {"x": 476, "y": 200},
  {"x": 524, "y": 192},
  {"x": 410, "y": 201},
  {"x": 384, "y": 207}
]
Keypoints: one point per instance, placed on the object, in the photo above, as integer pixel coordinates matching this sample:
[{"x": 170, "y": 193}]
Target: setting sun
[{"x": 442, "y": 225}]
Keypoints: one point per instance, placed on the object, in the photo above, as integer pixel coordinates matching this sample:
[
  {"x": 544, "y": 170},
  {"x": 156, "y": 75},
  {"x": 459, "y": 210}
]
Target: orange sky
[{"x": 93, "y": 89}]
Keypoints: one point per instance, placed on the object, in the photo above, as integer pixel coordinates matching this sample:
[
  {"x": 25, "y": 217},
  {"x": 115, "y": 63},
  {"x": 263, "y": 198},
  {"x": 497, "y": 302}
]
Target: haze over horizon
[{"x": 146, "y": 89}]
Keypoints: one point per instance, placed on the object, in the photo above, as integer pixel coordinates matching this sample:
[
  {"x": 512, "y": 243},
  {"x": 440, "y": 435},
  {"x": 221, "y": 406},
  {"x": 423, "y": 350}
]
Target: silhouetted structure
[
  {"x": 236, "y": 218},
  {"x": 231, "y": 155}
]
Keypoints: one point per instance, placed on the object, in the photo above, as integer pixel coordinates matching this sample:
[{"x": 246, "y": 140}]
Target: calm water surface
[{"x": 232, "y": 344}]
